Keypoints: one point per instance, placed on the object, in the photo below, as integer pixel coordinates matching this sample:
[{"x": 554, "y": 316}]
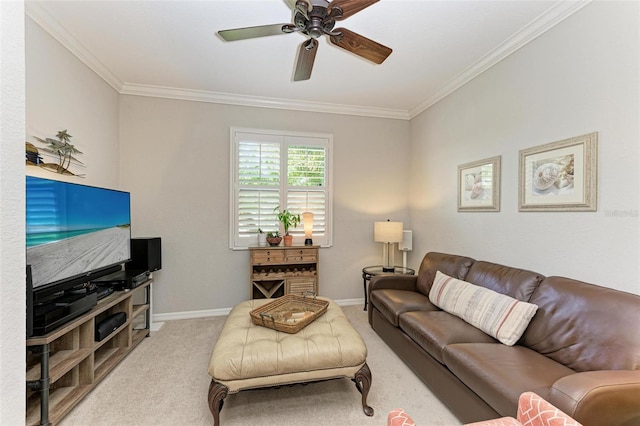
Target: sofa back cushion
[
  {"x": 517, "y": 283},
  {"x": 584, "y": 326},
  {"x": 450, "y": 264}
]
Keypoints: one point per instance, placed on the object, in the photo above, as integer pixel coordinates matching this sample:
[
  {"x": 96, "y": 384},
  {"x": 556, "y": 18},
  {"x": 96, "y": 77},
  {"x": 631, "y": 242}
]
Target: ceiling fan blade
[
  {"x": 360, "y": 45},
  {"x": 349, "y": 7},
  {"x": 306, "y": 56},
  {"x": 252, "y": 32}
]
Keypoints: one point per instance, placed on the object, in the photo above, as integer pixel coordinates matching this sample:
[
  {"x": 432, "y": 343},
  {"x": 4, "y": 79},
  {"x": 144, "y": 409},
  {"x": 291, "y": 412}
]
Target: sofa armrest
[
  {"x": 599, "y": 397},
  {"x": 396, "y": 282}
]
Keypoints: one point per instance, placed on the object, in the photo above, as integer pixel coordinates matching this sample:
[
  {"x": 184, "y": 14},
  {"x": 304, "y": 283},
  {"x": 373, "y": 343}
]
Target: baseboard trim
[{"x": 159, "y": 318}]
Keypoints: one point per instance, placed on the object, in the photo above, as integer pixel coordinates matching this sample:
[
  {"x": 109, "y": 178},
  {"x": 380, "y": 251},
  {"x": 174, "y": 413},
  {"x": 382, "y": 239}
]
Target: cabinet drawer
[
  {"x": 300, "y": 286},
  {"x": 267, "y": 257},
  {"x": 302, "y": 255}
]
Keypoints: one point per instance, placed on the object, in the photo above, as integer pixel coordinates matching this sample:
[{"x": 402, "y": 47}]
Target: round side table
[{"x": 372, "y": 271}]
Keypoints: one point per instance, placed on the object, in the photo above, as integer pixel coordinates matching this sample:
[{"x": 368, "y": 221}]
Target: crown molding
[
  {"x": 550, "y": 18},
  {"x": 553, "y": 16},
  {"x": 259, "y": 102},
  {"x": 43, "y": 18}
]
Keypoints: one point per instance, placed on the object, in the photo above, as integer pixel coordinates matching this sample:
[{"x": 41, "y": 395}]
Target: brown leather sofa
[{"x": 580, "y": 352}]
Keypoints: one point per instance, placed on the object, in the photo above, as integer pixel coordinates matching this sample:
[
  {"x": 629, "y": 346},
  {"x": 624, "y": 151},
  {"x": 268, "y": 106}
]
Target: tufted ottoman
[{"x": 247, "y": 356}]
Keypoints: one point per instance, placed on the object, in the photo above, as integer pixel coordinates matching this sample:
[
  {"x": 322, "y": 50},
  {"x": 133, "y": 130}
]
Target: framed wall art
[
  {"x": 560, "y": 176},
  {"x": 479, "y": 186}
]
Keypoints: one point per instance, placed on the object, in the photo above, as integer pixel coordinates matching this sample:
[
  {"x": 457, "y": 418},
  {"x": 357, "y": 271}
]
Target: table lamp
[
  {"x": 388, "y": 233},
  {"x": 307, "y": 222}
]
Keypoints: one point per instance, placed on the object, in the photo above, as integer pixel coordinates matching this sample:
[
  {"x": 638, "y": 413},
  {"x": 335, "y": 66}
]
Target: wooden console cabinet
[
  {"x": 65, "y": 364},
  {"x": 278, "y": 270}
]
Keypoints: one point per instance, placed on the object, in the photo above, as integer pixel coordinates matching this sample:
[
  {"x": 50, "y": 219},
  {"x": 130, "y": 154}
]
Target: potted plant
[
  {"x": 274, "y": 238},
  {"x": 288, "y": 220}
]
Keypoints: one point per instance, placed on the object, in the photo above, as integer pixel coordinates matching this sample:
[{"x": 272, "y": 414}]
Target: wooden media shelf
[{"x": 67, "y": 363}]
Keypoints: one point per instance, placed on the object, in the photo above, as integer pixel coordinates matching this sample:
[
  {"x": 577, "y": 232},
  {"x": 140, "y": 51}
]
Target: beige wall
[
  {"x": 579, "y": 77},
  {"x": 63, "y": 93},
  {"x": 175, "y": 161}
]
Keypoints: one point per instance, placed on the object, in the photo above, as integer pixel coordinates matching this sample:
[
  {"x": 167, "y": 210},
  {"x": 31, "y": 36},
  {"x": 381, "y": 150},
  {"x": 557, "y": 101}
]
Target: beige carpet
[{"x": 164, "y": 381}]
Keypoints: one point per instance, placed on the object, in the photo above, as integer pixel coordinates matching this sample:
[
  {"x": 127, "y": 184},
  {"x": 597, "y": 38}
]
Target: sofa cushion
[
  {"x": 391, "y": 303},
  {"x": 498, "y": 315},
  {"x": 434, "y": 330},
  {"x": 585, "y": 327},
  {"x": 499, "y": 374},
  {"x": 450, "y": 264},
  {"x": 517, "y": 283}
]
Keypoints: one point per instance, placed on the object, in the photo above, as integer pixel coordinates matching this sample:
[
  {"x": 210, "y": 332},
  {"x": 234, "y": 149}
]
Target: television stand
[{"x": 67, "y": 363}]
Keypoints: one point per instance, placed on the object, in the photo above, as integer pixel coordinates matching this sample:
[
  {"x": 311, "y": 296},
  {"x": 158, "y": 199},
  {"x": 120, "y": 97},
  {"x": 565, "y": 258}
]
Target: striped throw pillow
[{"x": 498, "y": 315}]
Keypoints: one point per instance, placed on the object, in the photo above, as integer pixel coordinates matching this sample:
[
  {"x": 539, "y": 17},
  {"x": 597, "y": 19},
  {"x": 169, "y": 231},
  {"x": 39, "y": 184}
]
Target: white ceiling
[{"x": 171, "y": 49}]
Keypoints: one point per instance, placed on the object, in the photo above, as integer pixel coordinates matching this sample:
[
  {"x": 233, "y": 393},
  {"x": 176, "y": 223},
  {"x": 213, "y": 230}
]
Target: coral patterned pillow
[
  {"x": 502, "y": 421},
  {"x": 397, "y": 417},
  {"x": 498, "y": 315},
  {"x": 535, "y": 411}
]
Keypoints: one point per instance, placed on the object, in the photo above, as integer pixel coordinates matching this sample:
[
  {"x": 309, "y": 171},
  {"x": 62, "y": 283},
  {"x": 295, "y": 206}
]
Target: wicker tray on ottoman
[{"x": 290, "y": 313}]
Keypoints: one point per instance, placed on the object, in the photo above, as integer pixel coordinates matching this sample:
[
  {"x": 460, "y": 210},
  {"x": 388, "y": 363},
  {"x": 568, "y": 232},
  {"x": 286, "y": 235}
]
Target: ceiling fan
[{"x": 315, "y": 18}]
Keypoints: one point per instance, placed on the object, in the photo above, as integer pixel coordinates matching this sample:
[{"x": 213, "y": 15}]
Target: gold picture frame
[
  {"x": 560, "y": 176},
  {"x": 479, "y": 185}
]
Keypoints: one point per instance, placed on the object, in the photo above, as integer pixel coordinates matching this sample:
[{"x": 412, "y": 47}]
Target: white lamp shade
[
  {"x": 387, "y": 232},
  {"x": 307, "y": 222}
]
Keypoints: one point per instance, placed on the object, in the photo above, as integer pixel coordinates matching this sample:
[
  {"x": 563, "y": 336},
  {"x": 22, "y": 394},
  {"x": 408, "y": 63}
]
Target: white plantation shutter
[
  {"x": 258, "y": 185},
  {"x": 309, "y": 201},
  {"x": 306, "y": 165},
  {"x": 255, "y": 211},
  {"x": 278, "y": 169},
  {"x": 259, "y": 163}
]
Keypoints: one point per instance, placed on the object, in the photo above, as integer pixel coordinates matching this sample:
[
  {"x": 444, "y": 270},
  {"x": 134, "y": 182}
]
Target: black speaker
[
  {"x": 29, "y": 303},
  {"x": 146, "y": 255},
  {"x": 109, "y": 325}
]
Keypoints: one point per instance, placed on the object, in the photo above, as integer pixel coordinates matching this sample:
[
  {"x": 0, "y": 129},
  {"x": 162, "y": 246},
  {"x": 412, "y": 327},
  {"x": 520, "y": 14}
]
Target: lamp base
[
  {"x": 388, "y": 259},
  {"x": 308, "y": 242}
]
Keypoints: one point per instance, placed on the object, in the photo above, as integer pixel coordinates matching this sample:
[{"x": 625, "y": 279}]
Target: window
[{"x": 271, "y": 169}]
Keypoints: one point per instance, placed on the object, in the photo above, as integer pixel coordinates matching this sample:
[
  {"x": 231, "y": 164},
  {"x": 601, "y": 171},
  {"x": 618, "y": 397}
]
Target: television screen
[{"x": 74, "y": 230}]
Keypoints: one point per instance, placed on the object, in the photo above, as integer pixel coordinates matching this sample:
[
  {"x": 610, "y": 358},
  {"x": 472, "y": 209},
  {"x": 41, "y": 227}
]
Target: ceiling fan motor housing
[{"x": 317, "y": 23}]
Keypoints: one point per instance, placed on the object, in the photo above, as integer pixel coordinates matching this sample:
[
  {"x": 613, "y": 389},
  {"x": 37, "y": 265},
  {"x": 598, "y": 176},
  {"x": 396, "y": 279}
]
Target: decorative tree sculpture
[{"x": 63, "y": 149}]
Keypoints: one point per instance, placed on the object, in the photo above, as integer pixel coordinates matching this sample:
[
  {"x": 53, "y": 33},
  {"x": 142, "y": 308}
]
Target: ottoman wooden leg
[
  {"x": 362, "y": 379},
  {"x": 217, "y": 394}
]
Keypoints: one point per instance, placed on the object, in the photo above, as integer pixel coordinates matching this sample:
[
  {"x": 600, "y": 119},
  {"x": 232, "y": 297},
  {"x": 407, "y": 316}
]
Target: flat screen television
[{"x": 74, "y": 232}]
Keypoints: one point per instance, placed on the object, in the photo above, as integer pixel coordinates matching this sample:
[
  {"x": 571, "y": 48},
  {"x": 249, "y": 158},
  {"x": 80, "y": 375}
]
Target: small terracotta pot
[{"x": 288, "y": 240}]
